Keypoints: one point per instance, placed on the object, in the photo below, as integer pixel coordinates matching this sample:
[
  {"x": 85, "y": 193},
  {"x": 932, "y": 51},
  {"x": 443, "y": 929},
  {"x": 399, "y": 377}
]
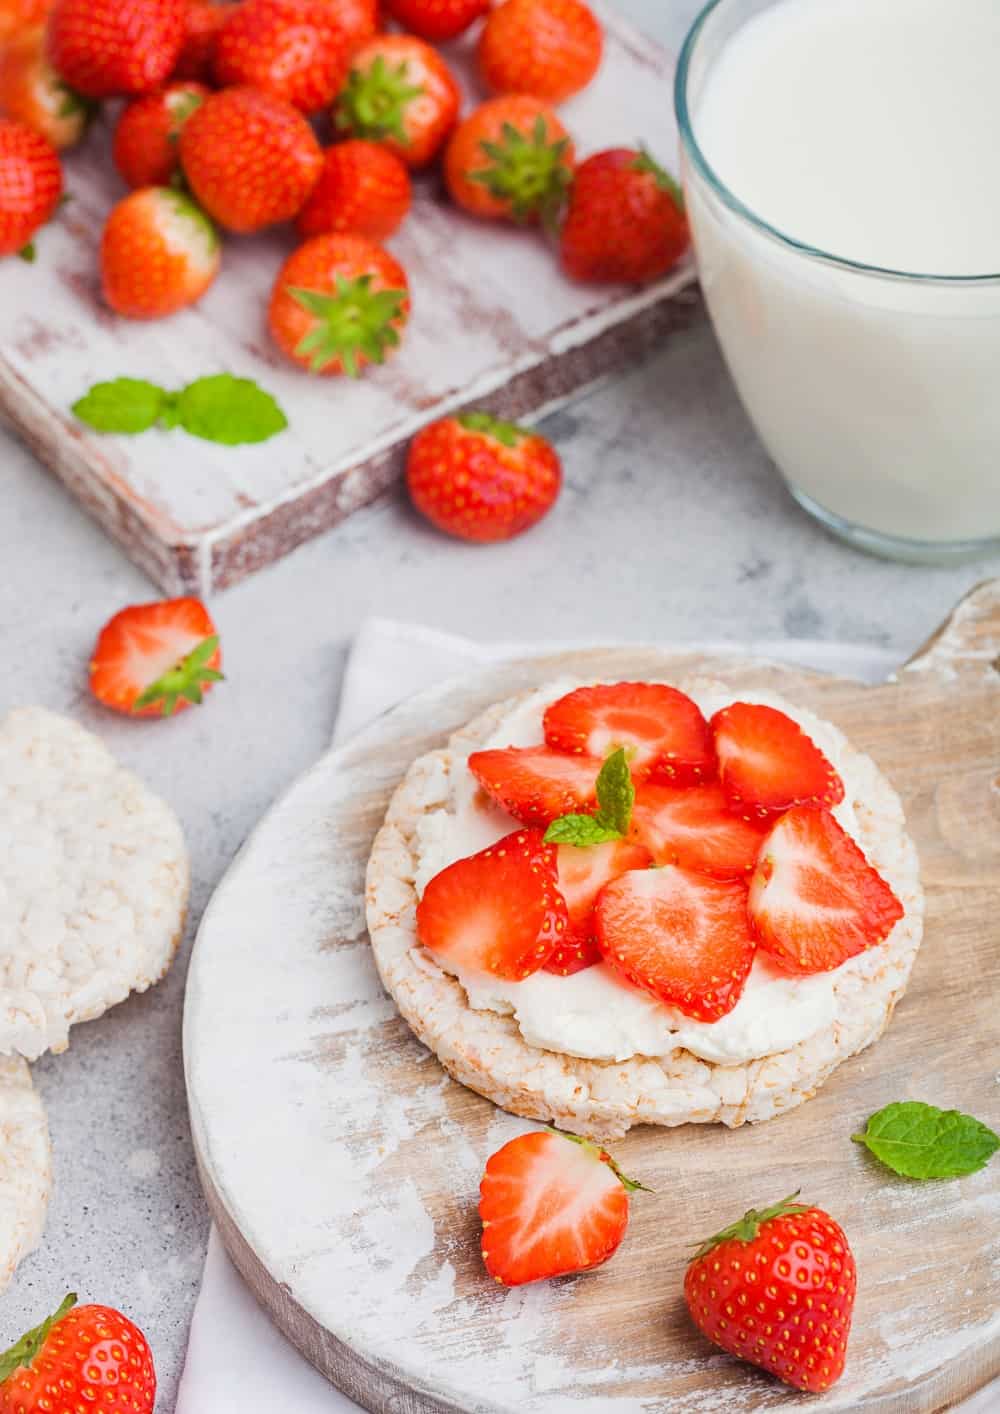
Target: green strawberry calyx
[
  {"x": 355, "y": 320},
  {"x": 751, "y": 1223},
  {"x": 528, "y": 172},
  {"x": 630, "y": 1185},
  {"x": 374, "y": 102},
  {"x": 23, "y": 1351},
  {"x": 646, "y": 162},
  {"x": 186, "y": 679},
  {"x": 508, "y": 434}
]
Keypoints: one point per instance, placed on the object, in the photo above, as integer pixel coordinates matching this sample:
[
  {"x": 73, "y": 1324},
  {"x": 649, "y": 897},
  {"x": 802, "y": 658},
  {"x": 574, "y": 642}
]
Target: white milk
[{"x": 870, "y": 130}]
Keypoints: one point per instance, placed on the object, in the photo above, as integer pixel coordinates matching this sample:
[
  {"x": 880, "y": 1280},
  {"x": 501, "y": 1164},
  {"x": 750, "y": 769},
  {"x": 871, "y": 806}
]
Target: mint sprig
[
  {"x": 615, "y": 798},
  {"x": 920, "y": 1141},
  {"x": 220, "y": 408}
]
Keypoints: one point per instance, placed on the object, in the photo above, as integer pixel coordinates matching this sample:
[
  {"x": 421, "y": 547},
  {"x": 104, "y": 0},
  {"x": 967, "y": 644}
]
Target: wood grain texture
[
  {"x": 494, "y": 324},
  {"x": 342, "y": 1164}
]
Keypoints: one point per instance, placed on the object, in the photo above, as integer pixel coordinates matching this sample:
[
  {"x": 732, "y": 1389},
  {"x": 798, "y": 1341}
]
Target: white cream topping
[{"x": 596, "y": 1014}]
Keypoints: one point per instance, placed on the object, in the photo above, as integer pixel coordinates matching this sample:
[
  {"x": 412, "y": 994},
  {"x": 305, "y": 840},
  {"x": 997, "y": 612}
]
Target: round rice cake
[
  {"x": 93, "y": 881},
  {"x": 25, "y": 1166},
  {"x": 486, "y": 1051}
]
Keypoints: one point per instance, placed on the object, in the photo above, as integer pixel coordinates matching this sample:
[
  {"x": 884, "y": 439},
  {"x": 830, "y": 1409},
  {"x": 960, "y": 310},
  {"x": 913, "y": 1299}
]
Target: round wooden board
[{"x": 342, "y": 1164}]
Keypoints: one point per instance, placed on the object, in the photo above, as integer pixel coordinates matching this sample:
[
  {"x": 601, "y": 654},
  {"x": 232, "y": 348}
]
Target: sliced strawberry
[
  {"x": 152, "y": 660},
  {"x": 815, "y": 900},
  {"x": 583, "y": 872},
  {"x": 695, "y": 829},
  {"x": 537, "y": 785},
  {"x": 681, "y": 936},
  {"x": 665, "y": 729},
  {"x": 551, "y": 1204},
  {"x": 499, "y": 911},
  {"x": 768, "y": 764}
]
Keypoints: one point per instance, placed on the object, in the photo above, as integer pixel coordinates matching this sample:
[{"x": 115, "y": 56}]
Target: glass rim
[{"x": 691, "y": 146}]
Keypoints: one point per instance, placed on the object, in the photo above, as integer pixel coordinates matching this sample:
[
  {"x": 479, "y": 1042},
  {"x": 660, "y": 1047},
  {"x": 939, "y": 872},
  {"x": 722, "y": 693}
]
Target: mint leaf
[
  {"x": 127, "y": 405},
  {"x": 616, "y": 793},
  {"x": 921, "y": 1141},
  {"x": 580, "y": 830},
  {"x": 229, "y": 410}
]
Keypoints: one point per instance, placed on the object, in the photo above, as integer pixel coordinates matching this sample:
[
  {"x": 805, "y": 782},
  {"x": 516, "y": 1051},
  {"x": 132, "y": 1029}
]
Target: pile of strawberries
[{"x": 226, "y": 108}]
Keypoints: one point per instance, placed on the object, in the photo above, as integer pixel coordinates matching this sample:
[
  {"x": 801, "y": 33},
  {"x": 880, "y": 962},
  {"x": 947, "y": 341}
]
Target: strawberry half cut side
[
  {"x": 695, "y": 829},
  {"x": 767, "y": 763},
  {"x": 537, "y": 785},
  {"x": 583, "y": 872},
  {"x": 815, "y": 901},
  {"x": 499, "y": 911},
  {"x": 664, "y": 730},
  {"x": 681, "y": 936}
]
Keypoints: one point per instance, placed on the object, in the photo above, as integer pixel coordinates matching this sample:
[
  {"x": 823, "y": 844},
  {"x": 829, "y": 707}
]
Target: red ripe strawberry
[
  {"x": 583, "y": 872},
  {"x": 30, "y": 186},
  {"x": 767, "y": 763},
  {"x": 551, "y": 1204},
  {"x": 31, "y": 92},
  {"x": 250, "y": 158},
  {"x": 694, "y": 828},
  {"x": 159, "y": 254},
  {"x": 363, "y": 188},
  {"x": 145, "y": 146},
  {"x": 777, "y": 1289},
  {"x": 437, "y": 20},
  {"x": 624, "y": 221},
  {"x": 510, "y": 160},
  {"x": 16, "y": 16},
  {"x": 339, "y": 304},
  {"x": 294, "y": 49},
  {"x": 681, "y": 936},
  {"x": 399, "y": 92},
  {"x": 205, "y": 19},
  {"x": 815, "y": 900},
  {"x": 152, "y": 660},
  {"x": 668, "y": 735},
  {"x": 105, "y": 48},
  {"x": 481, "y": 479},
  {"x": 359, "y": 20},
  {"x": 81, "y": 1357},
  {"x": 548, "y": 48},
  {"x": 499, "y": 911},
  {"x": 536, "y": 785}
]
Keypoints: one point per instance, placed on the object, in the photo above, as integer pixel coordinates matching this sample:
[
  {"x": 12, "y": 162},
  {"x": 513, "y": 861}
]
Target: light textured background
[{"x": 673, "y": 526}]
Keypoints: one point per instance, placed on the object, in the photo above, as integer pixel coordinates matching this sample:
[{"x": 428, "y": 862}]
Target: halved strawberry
[
  {"x": 551, "y": 1204},
  {"x": 681, "y": 936},
  {"x": 152, "y": 660},
  {"x": 768, "y": 764},
  {"x": 669, "y": 736},
  {"x": 815, "y": 900},
  {"x": 583, "y": 872},
  {"x": 537, "y": 785},
  {"x": 499, "y": 911},
  {"x": 694, "y": 828}
]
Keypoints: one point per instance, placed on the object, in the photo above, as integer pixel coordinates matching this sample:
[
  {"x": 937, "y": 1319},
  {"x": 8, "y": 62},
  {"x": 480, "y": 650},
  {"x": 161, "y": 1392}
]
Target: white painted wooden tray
[
  {"x": 342, "y": 1164},
  {"x": 494, "y": 324}
]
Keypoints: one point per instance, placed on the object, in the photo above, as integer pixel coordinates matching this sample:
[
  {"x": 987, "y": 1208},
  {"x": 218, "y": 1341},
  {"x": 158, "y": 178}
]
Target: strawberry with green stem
[
  {"x": 153, "y": 660},
  {"x": 512, "y": 160},
  {"x": 624, "y": 220},
  {"x": 401, "y": 93},
  {"x": 145, "y": 148},
  {"x": 31, "y": 92}
]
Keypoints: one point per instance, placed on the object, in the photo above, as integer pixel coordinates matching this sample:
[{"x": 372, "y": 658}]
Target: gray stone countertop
[{"x": 673, "y": 526}]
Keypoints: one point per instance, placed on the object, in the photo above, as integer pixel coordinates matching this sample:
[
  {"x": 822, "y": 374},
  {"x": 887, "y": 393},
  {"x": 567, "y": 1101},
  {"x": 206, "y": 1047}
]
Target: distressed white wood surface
[
  {"x": 342, "y": 1164},
  {"x": 493, "y": 323}
]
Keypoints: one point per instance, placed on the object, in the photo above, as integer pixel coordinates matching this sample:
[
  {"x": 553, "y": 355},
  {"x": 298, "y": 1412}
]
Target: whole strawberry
[
  {"x": 399, "y": 92},
  {"x": 205, "y": 19},
  {"x": 30, "y": 186},
  {"x": 338, "y": 304},
  {"x": 624, "y": 221},
  {"x": 363, "y": 188},
  {"x": 294, "y": 49},
  {"x": 511, "y": 160},
  {"x": 437, "y": 20},
  {"x": 251, "y": 159},
  {"x": 777, "y": 1289},
  {"x": 548, "y": 48},
  {"x": 481, "y": 479},
  {"x": 159, "y": 253},
  {"x": 82, "y": 1357},
  {"x": 146, "y": 137},
  {"x": 109, "y": 48}
]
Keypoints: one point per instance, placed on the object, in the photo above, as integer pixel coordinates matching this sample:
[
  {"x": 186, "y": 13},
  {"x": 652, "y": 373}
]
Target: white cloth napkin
[{"x": 237, "y": 1361}]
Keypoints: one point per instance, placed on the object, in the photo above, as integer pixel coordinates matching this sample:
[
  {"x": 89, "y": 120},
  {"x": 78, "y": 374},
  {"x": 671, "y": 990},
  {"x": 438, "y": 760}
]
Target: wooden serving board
[
  {"x": 494, "y": 325},
  {"x": 342, "y": 1164}
]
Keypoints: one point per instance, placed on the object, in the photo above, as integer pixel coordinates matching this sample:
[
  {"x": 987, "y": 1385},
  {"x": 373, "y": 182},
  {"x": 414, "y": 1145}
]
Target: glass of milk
[{"x": 842, "y": 173}]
